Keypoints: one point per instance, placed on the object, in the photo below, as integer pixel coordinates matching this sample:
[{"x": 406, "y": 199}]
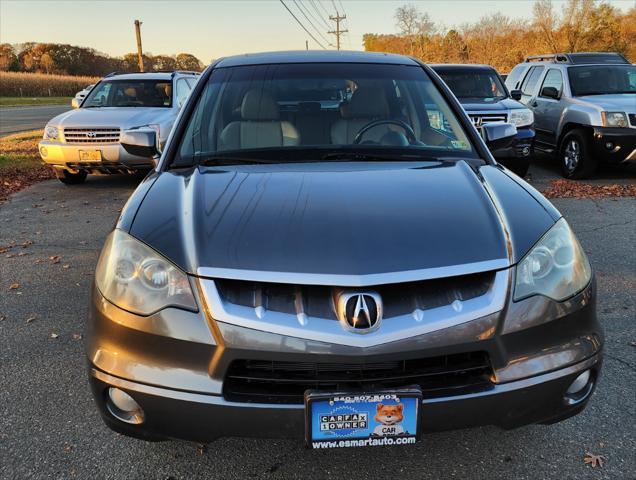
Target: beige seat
[
  {"x": 260, "y": 125},
  {"x": 366, "y": 104}
]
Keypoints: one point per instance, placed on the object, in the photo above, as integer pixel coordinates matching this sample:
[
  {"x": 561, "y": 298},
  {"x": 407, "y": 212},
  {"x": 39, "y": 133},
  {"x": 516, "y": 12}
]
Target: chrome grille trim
[
  {"x": 479, "y": 118},
  {"x": 91, "y": 135},
  {"x": 327, "y": 330},
  {"x": 367, "y": 280}
]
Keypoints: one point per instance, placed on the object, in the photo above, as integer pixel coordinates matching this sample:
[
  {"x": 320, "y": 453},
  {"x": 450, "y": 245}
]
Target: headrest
[
  {"x": 366, "y": 102},
  {"x": 259, "y": 105}
]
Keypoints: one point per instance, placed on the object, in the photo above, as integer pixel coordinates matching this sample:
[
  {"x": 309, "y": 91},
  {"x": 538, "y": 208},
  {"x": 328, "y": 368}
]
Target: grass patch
[
  {"x": 20, "y": 163},
  {"x": 21, "y": 101}
]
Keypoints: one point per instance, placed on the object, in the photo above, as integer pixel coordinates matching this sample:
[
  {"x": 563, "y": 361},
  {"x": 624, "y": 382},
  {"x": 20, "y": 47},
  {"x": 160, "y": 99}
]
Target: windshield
[
  {"x": 130, "y": 93},
  {"x": 281, "y": 111},
  {"x": 602, "y": 79},
  {"x": 477, "y": 85}
]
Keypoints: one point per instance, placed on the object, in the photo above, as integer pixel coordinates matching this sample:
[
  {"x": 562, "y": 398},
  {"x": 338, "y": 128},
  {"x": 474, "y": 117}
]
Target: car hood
[
  {"x": 621, "y": 102},
  {"x": 505, "y": 104},
  {"x": 336, "y": 218},
  {"x": 110, "y": 117}
]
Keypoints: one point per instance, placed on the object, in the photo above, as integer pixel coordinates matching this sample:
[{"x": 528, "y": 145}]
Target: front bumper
[
  {"x": 203, "y": 418},
  {"x": 115, "y": 159},
  {"x": 521, "y": 147},
  {"x": 614, "y": 145},
  {"x": 173, "y": 363}
]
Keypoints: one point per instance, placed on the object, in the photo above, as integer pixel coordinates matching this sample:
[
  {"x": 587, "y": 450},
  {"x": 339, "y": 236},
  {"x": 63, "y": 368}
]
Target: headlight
[
  {"x": 521, "y": 117},
  {"x": 556, "y": 267},
  {"x": 50, "y": 133},
  {"x": 614, "y": 119},
  {"x": 136, "y": 278}
]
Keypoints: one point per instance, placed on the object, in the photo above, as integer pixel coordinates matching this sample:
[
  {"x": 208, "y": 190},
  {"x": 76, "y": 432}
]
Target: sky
[{"x": 213, "y": 28}]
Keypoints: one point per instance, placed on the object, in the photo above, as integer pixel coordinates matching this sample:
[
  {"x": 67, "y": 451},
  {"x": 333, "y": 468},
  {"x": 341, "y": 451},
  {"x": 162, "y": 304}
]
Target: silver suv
[
  {"x": 584, "y": 107},
  {"x": 87, "y": 140}
]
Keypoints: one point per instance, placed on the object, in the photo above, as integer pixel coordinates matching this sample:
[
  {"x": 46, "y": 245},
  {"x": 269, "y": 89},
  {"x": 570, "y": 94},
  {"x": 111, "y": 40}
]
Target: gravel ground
[{"x": 49, "y": 427}]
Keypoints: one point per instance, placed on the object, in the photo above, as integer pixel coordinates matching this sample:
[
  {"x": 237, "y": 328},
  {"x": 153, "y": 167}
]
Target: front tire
[
  {"x": 575, "y": 155},
  {"x": 68, "y": 178}
]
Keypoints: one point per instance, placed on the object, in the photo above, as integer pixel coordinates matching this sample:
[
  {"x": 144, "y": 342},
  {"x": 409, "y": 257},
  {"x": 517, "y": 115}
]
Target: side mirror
[
  {"x": 75, "y": 103},
  {"x": 498, "y": 135},
  {"x": 550, "y": 92},
  {"x": 141, "y": 142},
  {"x": 516, "y": 95}
]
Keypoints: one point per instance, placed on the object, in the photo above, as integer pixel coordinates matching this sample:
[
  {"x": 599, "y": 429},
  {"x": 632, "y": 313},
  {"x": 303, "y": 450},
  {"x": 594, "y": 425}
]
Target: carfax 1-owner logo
[{"x": 363, "y": 420}]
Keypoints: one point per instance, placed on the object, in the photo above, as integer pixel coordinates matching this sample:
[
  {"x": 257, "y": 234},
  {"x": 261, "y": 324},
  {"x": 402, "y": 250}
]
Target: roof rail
[
  {"x": 551, "y": 57},
  {"x": 111, "y": 74},
  {"x": 580, "y": 58}
]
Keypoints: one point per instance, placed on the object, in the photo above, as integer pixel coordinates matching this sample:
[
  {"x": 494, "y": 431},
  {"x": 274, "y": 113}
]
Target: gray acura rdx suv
[{"x": 313, "y": 258}]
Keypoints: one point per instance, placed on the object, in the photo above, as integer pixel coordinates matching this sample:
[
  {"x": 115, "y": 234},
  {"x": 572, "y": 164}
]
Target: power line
[
  {"x": 323, "y": 8},
  {"x": 303, "y": 27},
  {"x": 315, "y": 7},
  {"x": 310, "y": 22}
]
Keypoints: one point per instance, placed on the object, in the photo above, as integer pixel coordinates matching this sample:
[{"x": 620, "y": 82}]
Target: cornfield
[{"x": 17, "y": 84}]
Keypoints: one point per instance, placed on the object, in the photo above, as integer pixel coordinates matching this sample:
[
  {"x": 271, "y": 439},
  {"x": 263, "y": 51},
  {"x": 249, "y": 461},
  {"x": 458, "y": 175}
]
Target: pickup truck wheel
[
  {"x": 576, "y": 156},
  {"x": 68, "y": 178}
]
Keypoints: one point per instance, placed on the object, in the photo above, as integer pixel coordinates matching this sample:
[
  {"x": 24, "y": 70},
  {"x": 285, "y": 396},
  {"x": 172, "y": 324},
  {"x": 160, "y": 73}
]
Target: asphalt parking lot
[
  {"x": 49, "y": 427},
  {"x": 19, "y": 119}
]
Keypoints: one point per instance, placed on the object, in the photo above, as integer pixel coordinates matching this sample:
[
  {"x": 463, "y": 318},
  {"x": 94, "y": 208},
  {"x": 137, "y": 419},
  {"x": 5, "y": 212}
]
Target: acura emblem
[{"x": 359, "y": 312}]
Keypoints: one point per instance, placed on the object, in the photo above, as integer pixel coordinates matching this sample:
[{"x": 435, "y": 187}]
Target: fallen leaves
[
  {"x": 31, "y": 318},
  {"x": 23, "y": 166},
  {"x": 77, "y": 336},
  {"x": 14, "y": 286},
  {"x": 593, "y": 460},
  {"x": 55, "y": 259},
  {"x": 570, "y": 189},
  {"x": 54, "y": 335}
]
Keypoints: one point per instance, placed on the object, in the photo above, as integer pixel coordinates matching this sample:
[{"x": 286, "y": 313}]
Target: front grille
[
  {"x": 480, "y": 118},
  {"x": 264, "y": 381},
  {"x": 318, "y": 301},
  {"x": 632, "y": 119},
  {"x": 91, "y": 135}
]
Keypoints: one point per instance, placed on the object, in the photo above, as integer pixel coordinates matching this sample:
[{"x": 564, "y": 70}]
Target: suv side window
[
  {"x": 183, "y": 89},
  {"x": 553, "y": 79},
  {"x": 514, "y": 77},
  {"x": 530, "y": 82}
]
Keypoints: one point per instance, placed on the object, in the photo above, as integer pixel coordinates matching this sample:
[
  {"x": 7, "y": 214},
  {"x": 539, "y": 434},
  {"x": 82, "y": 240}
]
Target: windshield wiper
[
  {"x": 217, "y": 160},
  {"x": 377, "y": 157}
]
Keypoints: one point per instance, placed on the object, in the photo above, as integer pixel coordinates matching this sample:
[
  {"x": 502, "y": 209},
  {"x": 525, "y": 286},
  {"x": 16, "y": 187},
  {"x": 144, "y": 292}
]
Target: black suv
[{"x": 482, "y": 93}]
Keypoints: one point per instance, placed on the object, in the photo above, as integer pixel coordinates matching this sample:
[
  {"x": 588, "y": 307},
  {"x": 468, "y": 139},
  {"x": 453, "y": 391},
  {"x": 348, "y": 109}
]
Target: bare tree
[{"x": 547, "y": 22}]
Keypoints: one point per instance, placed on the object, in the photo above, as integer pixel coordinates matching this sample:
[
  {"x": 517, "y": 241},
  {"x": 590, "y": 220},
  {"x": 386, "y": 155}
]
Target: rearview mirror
[
  {"x": 516, "y": 94},
  {"x": 550, "y": 92},
  {"x": 141, "y": 142},
  {"x": 498, "y": 135},
  {"x": 75, "y": 103}
]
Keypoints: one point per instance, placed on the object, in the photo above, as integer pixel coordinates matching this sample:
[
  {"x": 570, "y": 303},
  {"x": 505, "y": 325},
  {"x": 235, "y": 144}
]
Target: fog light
[
  {"x": 579, "y": 383},
  {"x": 43, "y": 151},
  {"x": 123, "y": 406},
  {"x": 609, "y": 145}
]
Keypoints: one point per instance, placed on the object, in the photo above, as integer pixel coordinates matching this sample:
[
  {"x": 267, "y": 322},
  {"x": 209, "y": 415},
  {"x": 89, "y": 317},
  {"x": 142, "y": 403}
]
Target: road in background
[
  {"x": 20, "y": 119},
  {"x": 50, "y": 428}
]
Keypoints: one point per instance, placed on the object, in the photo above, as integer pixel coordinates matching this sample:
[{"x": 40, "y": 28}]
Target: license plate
[
  {"x": 90, "y": 155},
  {"x": 341, "y": 420}
]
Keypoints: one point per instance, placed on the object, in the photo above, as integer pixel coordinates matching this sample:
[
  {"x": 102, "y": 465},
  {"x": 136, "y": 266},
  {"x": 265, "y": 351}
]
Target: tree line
[
  {"x": 500, "y": 41},
  {"x": 62, "y": 59}
]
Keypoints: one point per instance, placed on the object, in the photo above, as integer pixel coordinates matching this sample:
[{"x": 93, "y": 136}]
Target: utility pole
[
  {"x": 306, "y": 44},
  {"x": 139, "y": 51},
  {"x": 337, "y": 32}
]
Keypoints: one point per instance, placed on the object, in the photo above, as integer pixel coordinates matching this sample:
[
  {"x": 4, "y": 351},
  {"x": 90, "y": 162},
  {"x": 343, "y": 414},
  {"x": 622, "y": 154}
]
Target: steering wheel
[{"x": 410, "y": 134}]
